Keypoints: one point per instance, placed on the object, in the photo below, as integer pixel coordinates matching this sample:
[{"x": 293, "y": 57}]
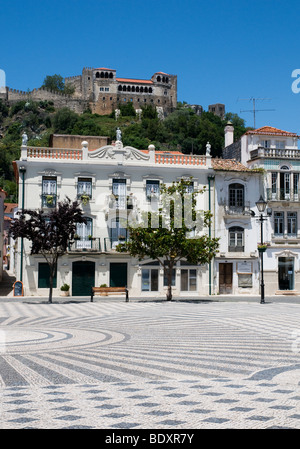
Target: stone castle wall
[
  {"x": 102, "y": 92},
  {"x": 59, "y": 100}
]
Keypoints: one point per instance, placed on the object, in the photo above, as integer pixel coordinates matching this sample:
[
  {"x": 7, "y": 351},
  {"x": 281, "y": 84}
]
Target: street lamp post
[
  {"x": 261, "y": 205},
  {"x": 23, "y": 171}
]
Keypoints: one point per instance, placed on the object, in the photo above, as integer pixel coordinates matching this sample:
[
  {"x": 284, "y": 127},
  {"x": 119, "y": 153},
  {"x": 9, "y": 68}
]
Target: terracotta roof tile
[
  {"x": 128, "y": 80},
  {"x": 228, "y": 165},
  {"x": 270, "y": 130}
]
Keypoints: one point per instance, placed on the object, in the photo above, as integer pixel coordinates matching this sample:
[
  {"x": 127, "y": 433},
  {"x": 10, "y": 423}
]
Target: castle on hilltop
[{"x": 102, "y": 92}]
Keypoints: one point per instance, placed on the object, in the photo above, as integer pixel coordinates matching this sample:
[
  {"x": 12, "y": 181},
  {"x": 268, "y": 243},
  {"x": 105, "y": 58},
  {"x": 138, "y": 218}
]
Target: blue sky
[{"x": 221, "y": 51}]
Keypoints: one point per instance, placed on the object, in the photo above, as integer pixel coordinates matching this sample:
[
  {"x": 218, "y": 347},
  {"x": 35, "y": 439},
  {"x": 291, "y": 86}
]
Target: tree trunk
[
  {"x": 169, "y": 276},
  {"x": 52, "y": 274},
  {"x": 50, "y": 287}
]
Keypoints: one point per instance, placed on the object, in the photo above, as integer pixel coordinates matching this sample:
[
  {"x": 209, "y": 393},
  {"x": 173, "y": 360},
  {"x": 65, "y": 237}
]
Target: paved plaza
[{"x": 149, "y": 365}]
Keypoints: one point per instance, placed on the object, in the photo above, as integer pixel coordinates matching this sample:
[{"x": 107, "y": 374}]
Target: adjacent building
[{"x": 276, "y": 152}]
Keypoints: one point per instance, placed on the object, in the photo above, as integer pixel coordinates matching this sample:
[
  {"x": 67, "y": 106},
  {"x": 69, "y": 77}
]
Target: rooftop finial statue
[
  {"x": 119, "y": 135},
  {"x": 208, "y": 148},
  {"x": 24, "y": 139}
]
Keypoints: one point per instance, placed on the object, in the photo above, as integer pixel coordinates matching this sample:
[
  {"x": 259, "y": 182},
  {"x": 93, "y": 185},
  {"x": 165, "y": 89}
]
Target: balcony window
[
  {"x": 266, "y": 143},
  {"x": 118, "y": 231},
  {"x": 49, "y": 188},
  {"x": 274, "y": 183},
  {"x": 236, "y": 239},
  {"x": 280, "y": 144},
  {"x": 236, "y": 197},
  {"x": 119, "y": 191},
  {"x": 84, "y": 232}
]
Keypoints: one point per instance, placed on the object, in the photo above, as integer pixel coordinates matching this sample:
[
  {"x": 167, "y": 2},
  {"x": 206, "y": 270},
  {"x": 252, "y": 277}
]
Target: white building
[
  {"x": 48, "y": 175},
  {"x": 236, "y": 265},
  {"x": 276, "y": 151}
]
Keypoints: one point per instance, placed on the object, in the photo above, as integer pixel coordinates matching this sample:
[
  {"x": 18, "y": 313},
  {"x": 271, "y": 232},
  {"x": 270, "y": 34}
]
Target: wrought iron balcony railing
[
  {"x": 111, "y": 244},
  {"x": 237, "y": 210},
  {"x": 49, "y": 200},
  {"x": 88, "y": 244}
]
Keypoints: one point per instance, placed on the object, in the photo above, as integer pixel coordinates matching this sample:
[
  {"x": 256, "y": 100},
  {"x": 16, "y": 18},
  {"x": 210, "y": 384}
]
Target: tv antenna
[{"x": 254, "y": 110}]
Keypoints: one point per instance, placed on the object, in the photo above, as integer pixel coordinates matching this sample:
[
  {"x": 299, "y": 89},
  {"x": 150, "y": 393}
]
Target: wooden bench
[{"x": 99, "y": 290}]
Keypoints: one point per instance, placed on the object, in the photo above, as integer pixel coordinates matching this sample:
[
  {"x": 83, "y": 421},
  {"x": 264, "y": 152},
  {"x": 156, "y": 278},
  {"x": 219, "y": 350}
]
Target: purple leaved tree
[{"x": 50, "y": 233}]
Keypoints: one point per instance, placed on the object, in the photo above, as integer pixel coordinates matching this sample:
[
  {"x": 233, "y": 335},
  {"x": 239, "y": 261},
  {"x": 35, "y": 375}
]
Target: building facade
[
  {"x": 276, "y": 152},
  {"x": 111, "y": 183},
  {"x": 236, "y": 189}
]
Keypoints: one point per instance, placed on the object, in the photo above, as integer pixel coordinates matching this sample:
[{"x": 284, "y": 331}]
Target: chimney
[{"x": 229, "y": 129}]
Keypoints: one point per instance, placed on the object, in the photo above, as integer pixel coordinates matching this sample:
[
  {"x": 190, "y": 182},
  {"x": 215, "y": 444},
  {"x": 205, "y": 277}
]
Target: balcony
[
  {"x": 49, "y": 200},
  {"x": 237, "y": 211},
  {"x": 235, "y": 249},
  {"x": 283, "y": 195},
  {"x": 120, "y": 202},
  {"x": 111, "y": 244},
  {"x": 85, "y": 245},
  {"x": 286, "y": 153}
]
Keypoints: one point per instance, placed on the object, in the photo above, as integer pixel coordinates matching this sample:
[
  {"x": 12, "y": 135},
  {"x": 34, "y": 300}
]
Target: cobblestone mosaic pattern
[{"x": 149, "y": 365}]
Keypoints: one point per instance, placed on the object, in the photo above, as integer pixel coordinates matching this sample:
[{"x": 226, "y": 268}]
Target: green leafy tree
[
  {"x": 64, "y": 121},
  {"x": 56, "y": 83},
  {"x": 49, "y": 233},
  {"x": 163, "y": 235}
]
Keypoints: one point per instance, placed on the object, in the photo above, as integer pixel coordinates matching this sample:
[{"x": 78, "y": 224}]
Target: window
[
  {"x": 245, "y": 280},
  {"x": 118, "y": 230},
  {"x": 149, "y": 279},
  {"x": 266, "y": 143},
  {"x": 278, "y": 223},
  {"x": 296, "y": 183},
  {"x": 274, "y": 182},
  {"x": 44, "y": 275},
  {"x": 188, "y": 280},
  {"x": 84, "y": 233},
  {"x": 106, "y": 89},
  {"x": 101, "y": 89},
  {"x": 49, "y": 184},
  {"x": 189, "y": 188},
  {"x": 236, "y": 195},
  {"x": 292, "y": 223},
  {"x": 119, "y": 190},
  {"x": 84, "y": 230},
  {"x": 84, "y": 187},
  {"x": 280, "y": 144},
  {"x": 236, "y": 239},
  {"x": 152, "y": 189}
]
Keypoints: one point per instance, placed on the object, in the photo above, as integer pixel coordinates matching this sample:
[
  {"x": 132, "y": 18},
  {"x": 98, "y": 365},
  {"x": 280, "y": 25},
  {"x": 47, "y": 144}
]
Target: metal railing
[
  {"x": 111, "y": 244},
  {"x": 89, "y": 244},
  {"x": 49, "y": 200},
  {"x": 231, "y": 209}
]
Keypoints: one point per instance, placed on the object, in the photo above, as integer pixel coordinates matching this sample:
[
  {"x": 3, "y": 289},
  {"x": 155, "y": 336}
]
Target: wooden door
[{"x": 225, "y": 278}]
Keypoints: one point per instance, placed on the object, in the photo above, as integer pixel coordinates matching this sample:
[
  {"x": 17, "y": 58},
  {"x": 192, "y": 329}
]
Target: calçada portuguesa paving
[{"x": 149, "y": 365}]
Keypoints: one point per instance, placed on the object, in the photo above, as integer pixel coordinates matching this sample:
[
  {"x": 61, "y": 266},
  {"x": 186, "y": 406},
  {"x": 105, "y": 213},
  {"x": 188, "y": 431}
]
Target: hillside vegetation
[{"x": 182, "y": 130}]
